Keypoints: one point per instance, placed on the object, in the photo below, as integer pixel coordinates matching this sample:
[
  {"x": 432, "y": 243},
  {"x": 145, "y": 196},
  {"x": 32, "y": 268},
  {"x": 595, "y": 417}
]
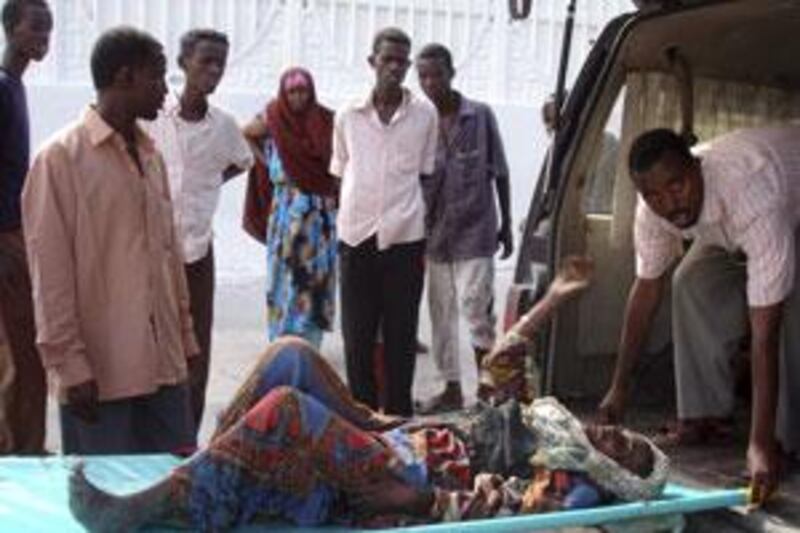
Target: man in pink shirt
[{"x": 111, "y": 303}]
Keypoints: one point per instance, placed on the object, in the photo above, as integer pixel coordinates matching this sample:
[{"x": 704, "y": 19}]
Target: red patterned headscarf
[{"x": 304, "y": 139}]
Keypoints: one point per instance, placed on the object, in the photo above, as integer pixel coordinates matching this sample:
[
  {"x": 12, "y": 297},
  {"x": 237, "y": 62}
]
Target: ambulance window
[{"x": 598, "y": 187}]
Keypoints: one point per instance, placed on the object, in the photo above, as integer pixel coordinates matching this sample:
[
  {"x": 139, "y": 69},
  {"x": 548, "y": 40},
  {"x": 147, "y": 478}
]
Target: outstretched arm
[
  {"x": 503, "y": 372},
  {"x": 572, "y": 278}
]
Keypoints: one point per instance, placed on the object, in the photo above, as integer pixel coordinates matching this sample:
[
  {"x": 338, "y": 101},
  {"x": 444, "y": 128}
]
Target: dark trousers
[
  {"x": 154, "y": 423},
  {"x": 23, "y": 386},
  {"x": 381, "y": 288},
  {"x": 200, "y": 279}
]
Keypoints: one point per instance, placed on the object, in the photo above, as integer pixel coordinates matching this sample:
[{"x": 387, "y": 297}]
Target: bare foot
[{"x": 99, "y": 511}]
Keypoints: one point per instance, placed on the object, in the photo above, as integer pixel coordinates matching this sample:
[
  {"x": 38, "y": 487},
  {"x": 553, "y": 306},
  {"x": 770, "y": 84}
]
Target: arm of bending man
[
  {"x": 762, "y": 456},
  {"x": 643, "y": 300},
  {"x": 656, "y": 250},
  {"x": 769, "y": 244}
]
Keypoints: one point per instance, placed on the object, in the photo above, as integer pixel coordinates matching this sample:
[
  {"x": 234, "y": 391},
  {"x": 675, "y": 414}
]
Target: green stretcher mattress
[{"x": 33, "y": 498}]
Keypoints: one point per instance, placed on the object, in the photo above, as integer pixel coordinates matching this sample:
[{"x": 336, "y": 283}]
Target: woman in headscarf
[
  {"x": 291, "y": 208},
  {"x": 294, "y": 445}
]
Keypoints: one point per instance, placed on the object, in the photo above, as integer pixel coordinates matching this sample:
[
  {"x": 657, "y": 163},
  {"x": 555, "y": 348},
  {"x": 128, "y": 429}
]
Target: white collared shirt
[
  {"x": 751, "y": 183},
  {"x": 196, "y": 155},
  {"x": 380, "y": 167}
]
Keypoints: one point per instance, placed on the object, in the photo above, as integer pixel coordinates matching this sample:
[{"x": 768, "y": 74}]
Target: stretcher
[{"x": 33, "y": 498}]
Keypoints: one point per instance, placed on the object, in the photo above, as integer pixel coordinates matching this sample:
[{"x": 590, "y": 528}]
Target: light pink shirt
[
  {"x": 109, "y": 289},
  {"x": 751, "y": 181},
  {"x": 380, "y": 167},
  {"x": 196, "y": 155}
]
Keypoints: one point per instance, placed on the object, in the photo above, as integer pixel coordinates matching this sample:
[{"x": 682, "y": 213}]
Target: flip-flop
[
  {"x": 678, "y": 434},
  {"x": 440, "y": 403},
  {"x": 719, "y": 431}
]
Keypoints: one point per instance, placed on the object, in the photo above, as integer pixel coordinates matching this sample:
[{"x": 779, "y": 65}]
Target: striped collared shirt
[{"x": 751, "y": 183}]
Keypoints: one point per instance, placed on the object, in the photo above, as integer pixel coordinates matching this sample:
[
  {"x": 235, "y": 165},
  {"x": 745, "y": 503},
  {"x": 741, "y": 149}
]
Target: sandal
[
  {"x": 720, "y": 431},
  {"x": 445, "y": 401}
]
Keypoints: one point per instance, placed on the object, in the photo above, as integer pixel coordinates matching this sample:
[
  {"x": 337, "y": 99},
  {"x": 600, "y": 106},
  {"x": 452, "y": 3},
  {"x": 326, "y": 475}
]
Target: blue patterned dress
[
  {"x": 301, "y": 258},
  {"x": 293, "y": 439}
]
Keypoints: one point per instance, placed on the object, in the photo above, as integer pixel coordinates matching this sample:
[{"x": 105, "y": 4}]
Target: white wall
[
  {"x": 511, "y": 66},
  {"x": 498, "y": 60}
]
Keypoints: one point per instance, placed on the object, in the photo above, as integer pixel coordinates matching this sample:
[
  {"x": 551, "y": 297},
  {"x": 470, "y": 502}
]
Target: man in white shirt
[
  {"x": 383, "y": 146},
  {"x": 738, "y": 200},
  {"x": 203, "y": 148}
]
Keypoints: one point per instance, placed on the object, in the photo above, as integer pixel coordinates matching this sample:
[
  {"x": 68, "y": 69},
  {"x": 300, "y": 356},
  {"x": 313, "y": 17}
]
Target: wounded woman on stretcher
[{"x": 294, "y": 445}]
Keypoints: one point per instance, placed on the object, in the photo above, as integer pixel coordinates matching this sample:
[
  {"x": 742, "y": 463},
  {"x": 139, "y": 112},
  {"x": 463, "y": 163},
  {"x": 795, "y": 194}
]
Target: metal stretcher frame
[{"x": 33, "y": 497}]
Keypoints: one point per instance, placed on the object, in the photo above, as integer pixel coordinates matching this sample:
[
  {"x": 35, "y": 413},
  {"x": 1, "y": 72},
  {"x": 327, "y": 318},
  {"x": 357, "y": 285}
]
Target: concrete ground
[{"x": 240, "y": 334}]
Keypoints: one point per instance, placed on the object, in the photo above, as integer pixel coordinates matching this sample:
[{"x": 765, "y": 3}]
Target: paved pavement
[{"x": 239, "y": 335}]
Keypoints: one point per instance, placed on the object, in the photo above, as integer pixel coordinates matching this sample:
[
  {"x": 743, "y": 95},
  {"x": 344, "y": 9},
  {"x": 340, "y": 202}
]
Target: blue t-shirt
[{"x": 14, "y": 148}]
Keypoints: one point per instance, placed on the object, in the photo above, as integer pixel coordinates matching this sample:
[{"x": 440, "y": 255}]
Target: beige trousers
[
  {"x": 454, "y": 289},
  {"x": 709, "y": 321}
]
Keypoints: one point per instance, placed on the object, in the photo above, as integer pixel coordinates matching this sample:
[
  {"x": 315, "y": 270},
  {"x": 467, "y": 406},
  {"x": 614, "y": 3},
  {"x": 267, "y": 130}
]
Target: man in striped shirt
[{"x": 738, "y": 200}]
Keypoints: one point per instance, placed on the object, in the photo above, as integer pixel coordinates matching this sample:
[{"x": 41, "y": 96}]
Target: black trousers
[
  {"x": 200, "y": 280},
  {"x": 23, "y": 385},
  {"x": 160, "y": 422},
  {"x": 381, "y": 288}
]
